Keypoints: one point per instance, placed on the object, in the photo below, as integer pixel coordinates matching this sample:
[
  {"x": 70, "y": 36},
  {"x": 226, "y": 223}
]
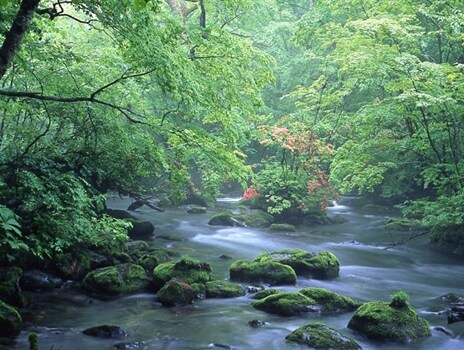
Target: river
[{"x": 368, "y": 272}]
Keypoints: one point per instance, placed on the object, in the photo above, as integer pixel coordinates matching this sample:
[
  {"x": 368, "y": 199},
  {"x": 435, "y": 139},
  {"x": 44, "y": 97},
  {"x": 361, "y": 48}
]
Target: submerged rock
[
  {"x": 105, "y": 331},
  {"x": 117, "y": 279},
  {"x": 381, "y": 321},
  {"x": 256, "y": 323},
  {"x": 286, "y": 304},
  {"x": 223, "y": 289},
  {"x": 317, "y": 335},
  {"x": 187, "y": 269},
  {"x": 322, "y": 265},
  {"x": 330, "y": 301},
  {"x": 10, "y": 321},
  {"x": 270, "y": 272},
  {"x": 128, "y": 345},
  {"x": 35, "y": 280},
  {"x": 282, "y": 228},
  {"x": 176, "y": 293},
  {"x": 197, "y": 210}
]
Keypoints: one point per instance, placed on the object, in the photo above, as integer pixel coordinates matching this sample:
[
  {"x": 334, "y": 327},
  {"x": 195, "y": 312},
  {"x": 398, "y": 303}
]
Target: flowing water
[{"x": 368, "y": 272}]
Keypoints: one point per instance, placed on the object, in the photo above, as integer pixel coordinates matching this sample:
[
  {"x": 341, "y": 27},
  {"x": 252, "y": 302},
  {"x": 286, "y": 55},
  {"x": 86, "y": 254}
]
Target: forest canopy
[{"x": 301, "y": 100}]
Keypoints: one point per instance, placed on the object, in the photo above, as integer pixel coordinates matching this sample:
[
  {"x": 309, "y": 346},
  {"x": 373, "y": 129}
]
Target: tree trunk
[{"x": 14, "y": 36}]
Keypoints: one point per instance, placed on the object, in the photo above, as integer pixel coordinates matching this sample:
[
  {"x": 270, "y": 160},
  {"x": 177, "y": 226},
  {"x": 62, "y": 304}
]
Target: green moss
[
  {"x": 265, "y": 293},
  {"x": 286, "y": 304},
  {"x": 256, "y": 218},
  {"x": 322, "y": 265},
  {"x": 111, "y": 280},
  {"x": 10, "y": 320},
  {"x": 33, "y": 341},
  {"x": 9, "y": 277},
  {"x": 330, "y": 301},
  {"x": 380, "y": 321},
  {"x": 270, "y": 272},
  {"x": 282, "y": 228},
  {"x": 223, "y": 289},
  {"x": 186, "y": 269},
  {"x": 176, "y": 293},
  {"x": 154, "y": 258},
  {"x": 317, "y": 335}
]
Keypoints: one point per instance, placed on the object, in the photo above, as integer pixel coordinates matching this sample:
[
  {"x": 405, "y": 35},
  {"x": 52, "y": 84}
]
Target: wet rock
[
  {"x": 223, "y": 289},
  {"x": 225, "y": 257},
  {"x": 170, "y": 237},
  {"x": 120, "y": 214},
  {"x": 226, "y": 218},
  {"x": 176, "y": 293},
  {"x": 322, "y": 265},
  {"x": 452, "y": 298},
  {"x": 286, "y": 304},
  {"x": 443, "y": 330},
  {"x": 252, "y": 218},
  {"x": 381, "y": 321},
  {"x": 457, "y": 313},
  {"x": 10, "y": 321},
  {"x": 256, "y": 323},
  {"x": 105, "y": 331},
  {"x": 197, "y": 210},
  {"x": 154, "y": 258},
  {"x": 187, "y": 269},
  {"x": 253, "y": 289},
  {"x": 330, "y": 301},
  {"x": 336, "y": 220},
  {"x": 320, "y": 336},
  {"x": 270, "y": 272},
  {"x": 113, "y": 280},
  {"x": 196, "y": 199},
  {"x": 141, "y": 229},
  {"x": 128, "y": 345},
  {"x": 265, "y": 293},
  {"x": 35, "y": 280},
  {"x": 282, "y": 228}
]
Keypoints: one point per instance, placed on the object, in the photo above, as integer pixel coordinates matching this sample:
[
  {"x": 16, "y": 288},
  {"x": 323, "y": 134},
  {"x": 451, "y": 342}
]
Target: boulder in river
[
  {"x": 223, "y": 289},
  {"x": 384, "y": 322},
  {"x": 225, "y": 218},
  {"x": 117, "y": 279},
  {"x": 251, "y": 218},
  {"x": 317, "y": 335},
  {"x": 35, "y": 280},
  {"x": 176, "y": 293},
  {"x": 197, "y": 210},
  {"x": 187, "y": 269},
  {"x": 10, "y": 321},
  {"x": 270, "y": 272},
  {"x": 286, "y": 304},
  {"x": 330, "y": 301},
  {"x": 282, "y": 228},
  {"x": 155, "y": 257},
  {"x": 322, "y": 265},
  {"x": 141, "y": 229},
  {"x": 105, "y": 331}
]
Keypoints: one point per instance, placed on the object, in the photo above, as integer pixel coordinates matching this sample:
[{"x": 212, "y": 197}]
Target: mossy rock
[
  {"x": 322, "y": 265},
  {"x": 270, "y": 272},
  {"x": 256, "y": 218},
  {"x": 286, "y": 304},
  {"x": 336, "y": 220},
  {"x": 330, "y": 301},
  {"x": 282, "y": 228},
  {"x": 187, "y": 269},
  {"x": 197, "y": 210},
  {"x": 152, "y": 259},
  {"x": 9, "y": 292},
  {"x": 381, "y": 321},
  {"x": 118, "y": 279},
  {"x": 402, "y": 225},
  {"x": 223, "y": 289},
  {"x": 176, "y": 292},
  {"x": 317, "y": 335},
  {"x": 10, "y": 321},
  {"x": 265, "y": 293},
  {"x": 225, "y": 218},
  {"x": 140, "y": 229},
  {"x": 73, "y": 265}
]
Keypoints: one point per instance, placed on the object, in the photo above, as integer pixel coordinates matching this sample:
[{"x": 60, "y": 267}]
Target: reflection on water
[{"x": 368, "y": 272}]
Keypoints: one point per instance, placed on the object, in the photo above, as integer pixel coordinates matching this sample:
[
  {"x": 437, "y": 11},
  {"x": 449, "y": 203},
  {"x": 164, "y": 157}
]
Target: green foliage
[
  {"x": 399, "y": 299},
  {"x": 11, "y": 239}
]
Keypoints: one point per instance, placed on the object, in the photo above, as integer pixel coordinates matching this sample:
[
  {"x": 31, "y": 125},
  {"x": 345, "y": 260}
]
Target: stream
[{"x": 368, "y": 272}]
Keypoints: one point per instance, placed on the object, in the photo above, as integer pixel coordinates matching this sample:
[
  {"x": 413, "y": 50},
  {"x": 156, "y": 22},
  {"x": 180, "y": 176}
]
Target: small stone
[
  {"x": 105, "y": 331},
  {"x": 256, "y": 323}
]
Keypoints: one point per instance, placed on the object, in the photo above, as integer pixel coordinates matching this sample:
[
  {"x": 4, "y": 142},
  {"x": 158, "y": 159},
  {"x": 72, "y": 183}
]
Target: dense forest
[{"x": 292, "y": 103}]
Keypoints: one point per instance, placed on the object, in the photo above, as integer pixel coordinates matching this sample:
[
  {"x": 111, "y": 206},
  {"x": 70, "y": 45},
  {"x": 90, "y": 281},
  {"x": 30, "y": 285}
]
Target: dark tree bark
[{"x": 14, "y": 36}]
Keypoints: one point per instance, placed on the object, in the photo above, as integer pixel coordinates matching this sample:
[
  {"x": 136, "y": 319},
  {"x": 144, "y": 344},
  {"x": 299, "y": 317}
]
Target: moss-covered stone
[
  {"x": 10, "y": 321},
  {"x": 176, "y": 292},
  {"x": 322, "y": 265},
  {"x": 154, "y": 258},
  {"x": 73, "y": 265},
  {"x": 33, "y": 341},
  {"x": 317, "y": 335},
  {"x": 140, "y": 229},
  {"x": 402, "y": 224},
  {"x": 223, "y": 289},
  {"x": 187, "y": 269},
  {"x": 286, "y": 304},
  {"x": 9, "y": 277},
  {"x": 381, "y": 321},
  {"x": 250, "y": 218},
  {"x": 282, "y": 228},
  {"x": 265, "y": 293},
  {"x": 330, "y": 301},
  {"x": 197, "y": 210},
  {"x": 225, "y": 218},
  {"x": 270, "y": 272},
  {"x": 112, "y": 280}
]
